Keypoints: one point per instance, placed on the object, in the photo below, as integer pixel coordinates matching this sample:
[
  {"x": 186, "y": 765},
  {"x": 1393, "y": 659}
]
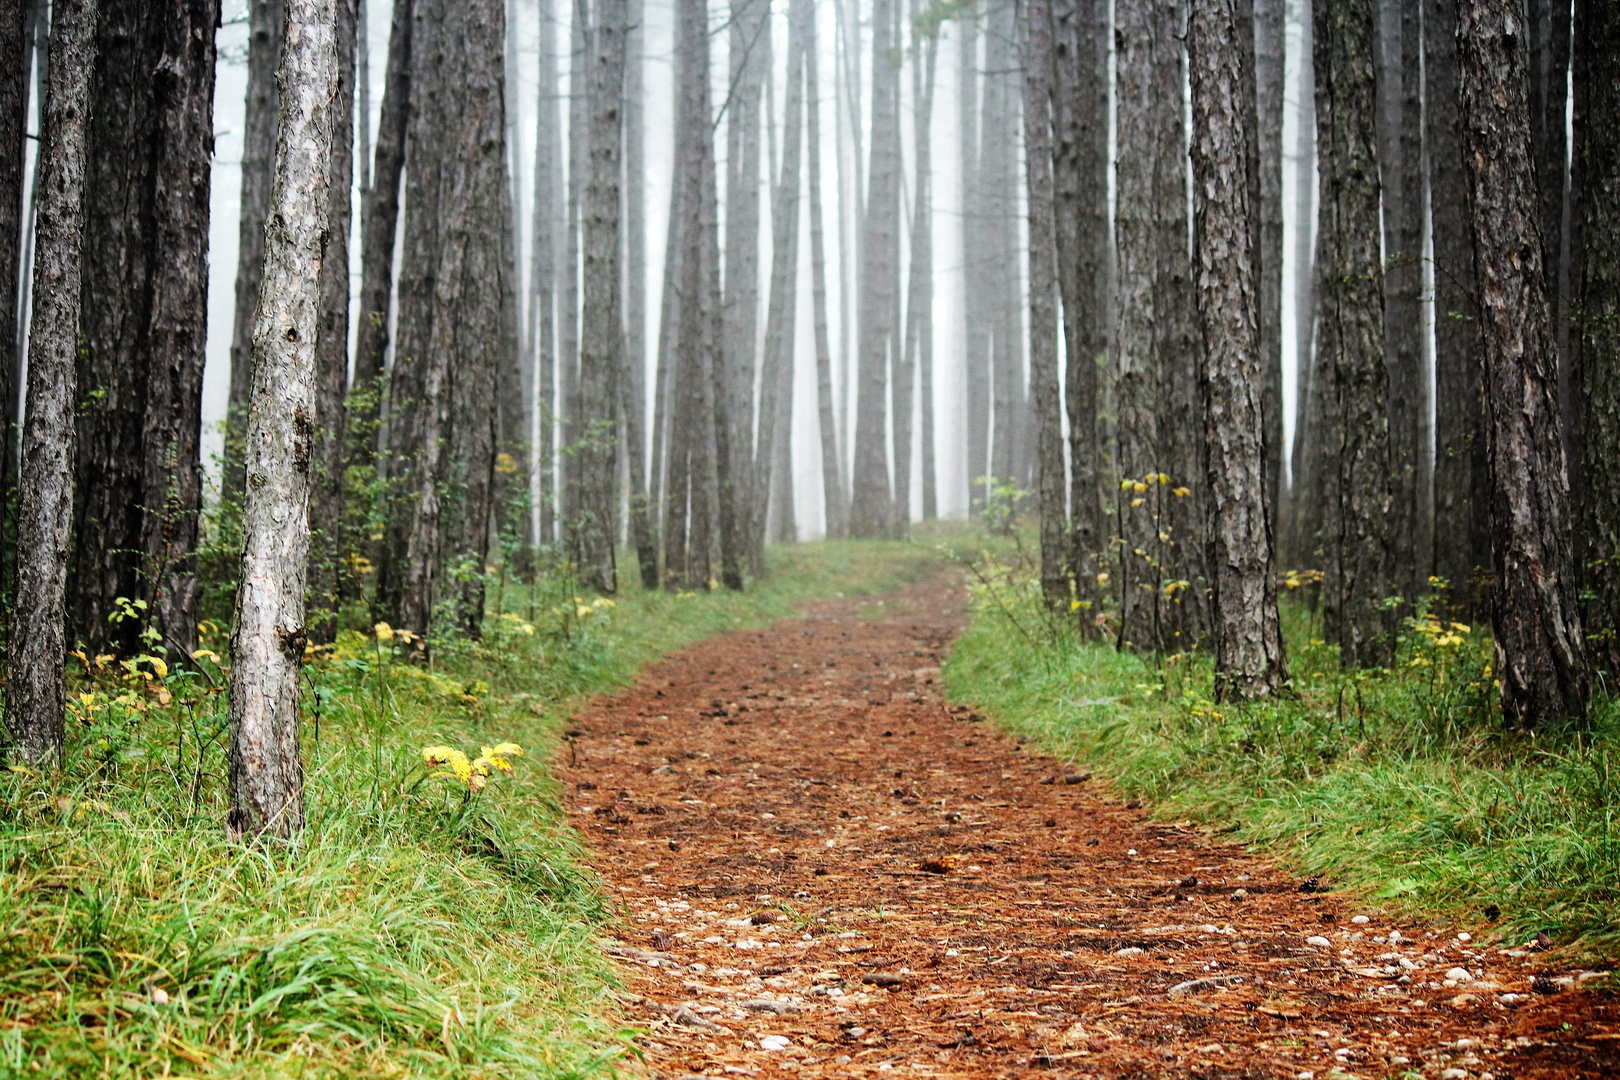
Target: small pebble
[
  {"x": 1361, "y": 920},
  {"x": 1464, "y": 937},
  {"x": 1131, "y": 852},
  {"x": 774, "y": 1042},
  {"x": 1458, "y": 974},
  {"x": 1319, "y": 941}
]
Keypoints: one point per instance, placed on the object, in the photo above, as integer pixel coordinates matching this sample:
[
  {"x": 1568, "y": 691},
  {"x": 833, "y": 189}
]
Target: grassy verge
[
  {"x": 1401, "y": 785},
  {"x": 422, "y": 928}
]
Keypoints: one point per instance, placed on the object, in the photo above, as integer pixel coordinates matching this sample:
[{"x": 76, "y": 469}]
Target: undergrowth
[
  {"x": 1402, "y": 784},
  {"x": 422, "y": 927}
]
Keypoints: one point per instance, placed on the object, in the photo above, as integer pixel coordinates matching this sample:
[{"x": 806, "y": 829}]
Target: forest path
[{"x": 763, "y": 806}]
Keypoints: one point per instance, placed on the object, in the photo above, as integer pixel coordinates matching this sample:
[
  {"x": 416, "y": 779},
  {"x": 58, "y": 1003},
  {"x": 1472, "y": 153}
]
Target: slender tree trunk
[
  {"x": 142, "y": 327},
  {"x": 1243, "y": 590},
  {"x": 1043, "y": 315},
  {"x": 266, "y": 773},
  {"x": 1351, "y": 338},
  {"x": 1596, "y": 328},
  {"x": 846, "y": 60},
  {"x": 543, "y": 267},
  {"x": 1462, "y": 484},
  {"x": 634, "y": 380},
  {"x": 1546, "y": 32},
  {"x": 36, "y": 653},
  {"x": 379, "y": 217},
  {"x": 730, "y": 457},
  {"x": 16, "y": 57},
  {"x": 603, "y": 338},
  {"x": 1268, "y": 80},
  {"x": 265, "y": 18},
  {"x": 1540, "y": 653},
  {"x": 780, "y": 319},
  {"x": 332, "y": 349},
  {"x": 1298, "y": 526},
  {"x": 568, "y": 355},
  {"x": 666, "y": 395},
  {"x": 1080, "y": 181},
  {"x": 920, "y": 295},
  {"x": 832, "y": 472},
  {"x": 748, "y": 52},
  {"x": 975, "y": 327},
  {"x": 362, "y": 86},
  {"x": 998, "y": 199},
  {"x": 871, "y": 504}
]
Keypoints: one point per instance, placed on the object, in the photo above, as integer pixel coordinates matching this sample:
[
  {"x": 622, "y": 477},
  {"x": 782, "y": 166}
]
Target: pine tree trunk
[
  {"x": 265, "y": 19},
  {"x": 634, "y": 379},
  {"x": 1043, "y": 315},
  {"x": 16, "y": 57},
  {"x": 1268, "y": 81},
  {"x": 1546, "y": 32},
  {"x": 1080, "y": 181},
  {"x": 362, "y": 87},
  {"x": 568, "y": 355},
  {"x": 1298, "y": 526},
  {"x": 1243, "y": 590},
  {"x": 142, "y": 326},
  {"x": 870, "y": 502},
  {"x": 748, "y": 51},
  {"x": 543, "y": 269},
  {"x": 730, "y": 458},
  {"x": 602, "y": 340},
  {"x": 920, "y": 294},
  {"x": 332, "y": 350},
  {"x": 780, "y": 319},
  {"x": 1596, "y": 329},
  {"x": 665, "y": 393},
  {"x": 379, "y": 217},
  {"x": 832, "y": 472},
  {"x": 1351, "y": 337},
  {"x": 266, "y": 773},
  {"x": 1540, "y": 653},
  {"x": 975, "y": 328},
  {"x": 1462, "y": 499},
  {"x": 851, "y": 214},
  {"x": 36, "y": 653},
  {"x": 998, "y": 199}
]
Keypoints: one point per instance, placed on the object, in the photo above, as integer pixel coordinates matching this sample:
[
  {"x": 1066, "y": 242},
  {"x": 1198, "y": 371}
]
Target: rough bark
[
  {"x": 1268, "y": 82},
  {"x": 635, "y": 353},
  {"x": 832, "y": 472},
  {"x": 266, "y": 773},
  {"x": 379, "y": 218},
  {"x": 1043, "y": 315},
  {"x": 36, "y": 653},
  {"x": 1540, "y": 652},
  {"x": 1351, "y": 338},
  {"x": 920, "y": 288},
  {"x": 332, "y": 349},
  {"x": 998, "y": 182},
  {"x": 16, "y": 57},
  {"x": 543, "y": 270},
  {"x": 568, "y": 353},
  {"x": 143, "y": 324},
  {"x": 362, "y": 91},
  {"x": 1461, "y": 469},
  {"x": 602, "y": 340},
  {"x": 1595, "y": 330},
  {"x": 666, "y": 395},
  {"x": 748, "y": 51},
  {"x": 1546, "y": 32},
  {"x": 870, "y": 501},
  {"x": 1081, "y": 184},
  {"x": 265, "y": 18},
  {"x": 729, "y": 455},
  {"x": 1243, "y": 591}
]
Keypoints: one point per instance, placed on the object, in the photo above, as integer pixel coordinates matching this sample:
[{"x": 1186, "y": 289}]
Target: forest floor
[{"x": 823, "y": 868}]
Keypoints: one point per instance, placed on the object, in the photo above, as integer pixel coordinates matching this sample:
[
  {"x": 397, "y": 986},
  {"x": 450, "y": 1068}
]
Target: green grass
[
  {"x": 419, "y": 929},
  {"x": 1402, "y": 786}
]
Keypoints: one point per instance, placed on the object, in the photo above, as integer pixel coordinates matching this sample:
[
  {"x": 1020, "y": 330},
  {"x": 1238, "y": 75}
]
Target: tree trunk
[
  {"x": 1297, "y": 531},
  {"x": 975, "y": 329},
  {"x": 1243, "y": 590},
  {"x": 362, "y": 86},
  {"x": 1540, "y": 654},
  {"x": 543, "y": 268},
  {"x": 920, "y": 295},
  {"x": 999, "y": 268},
  {"x": 1462, "y": 500},
  {"x": 748, "y": 57},
  {"x": 16, "y": 56},
  {"x": 332, "y": 350},
  {"x": 832, "y": 472},
  {"x": 634, "y": 380},
  {"x": 666, "y": 395},
  {"x": 1268, "y": 81},
  {"x": 591, "y": 519},
  {"x": 847, "y": 99},
  {"x": 729, "y": 456},
  {"x": 36, "y": 653},
  {"x": 780, "y": 318},
  {"x": 265, "y": 19},
  {"x": 1596, "y": 330},
  {"x": 1080, "y": 182},
  {"x": 266, "y": 773},
  {"x": 379, "y": 217},
  {"x": 1351, "y": 337},
  {"x": 870, "y": 504},
  {"x": 1546, "y": 32},
  {"x": 568, "y": 354},
  {"x": 142, "y": 326},
  {"x": 1043, "y": 316}
]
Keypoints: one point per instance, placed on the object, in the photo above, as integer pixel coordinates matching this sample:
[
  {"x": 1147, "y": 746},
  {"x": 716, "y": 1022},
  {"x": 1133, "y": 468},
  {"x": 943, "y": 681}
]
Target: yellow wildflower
[{"x": 384, "y": 632}]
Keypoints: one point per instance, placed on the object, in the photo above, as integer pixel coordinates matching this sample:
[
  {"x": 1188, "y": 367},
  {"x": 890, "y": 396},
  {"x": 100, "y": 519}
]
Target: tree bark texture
[
  {"x": 1540, "y": 653},
  {"x": 870, "y": 501},
  {"x": 266, "y": 773},
  {"x": 579, "y": 98},
  {"x": 1351, "y": 338},
  {"x": 1043, "y": 314},
  {"x": 1299, "y": 523},
  {"x": 548, "y": 221},
  {"x": 729, "y": 455},
  {"x": 327, "y": 539},
  {"x": 998, "y": 192},
  {"x": 602, "y": 338},
  {"x": 633, "y": 382},
  {"x": 441, "y": 405},
  {"x": 1080, "y": 181},
  {"x": 143, "y": 325},
  {"x": 1596, "y": 327},
  {"x": 1462, "y": 500},
  {"x": 1268, "y": 81},
  {"x": 1546, "y": 32},
  {"x": 748, "y": 58},
  {"x": 832, "y": 471},
  {"x": 265, "y": 19},
  {"x": 35, "y": 650},
  {"x": 16, "y": 55},
  {"x": 975, "y": 328},
  {"x": 1243, "y": 590},
  {"x": 920, "y": 288}
]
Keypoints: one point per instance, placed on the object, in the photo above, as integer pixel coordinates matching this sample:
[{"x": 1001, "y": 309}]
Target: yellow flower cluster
[{"x": 474, "y": 772}]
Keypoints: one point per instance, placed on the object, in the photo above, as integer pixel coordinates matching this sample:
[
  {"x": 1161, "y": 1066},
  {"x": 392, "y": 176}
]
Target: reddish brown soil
[{"x": 763, "y": 804}]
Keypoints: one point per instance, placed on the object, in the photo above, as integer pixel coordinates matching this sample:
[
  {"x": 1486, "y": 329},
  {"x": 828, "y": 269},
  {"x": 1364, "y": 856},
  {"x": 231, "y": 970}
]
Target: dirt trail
[{"x": 768, "y": 807}]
